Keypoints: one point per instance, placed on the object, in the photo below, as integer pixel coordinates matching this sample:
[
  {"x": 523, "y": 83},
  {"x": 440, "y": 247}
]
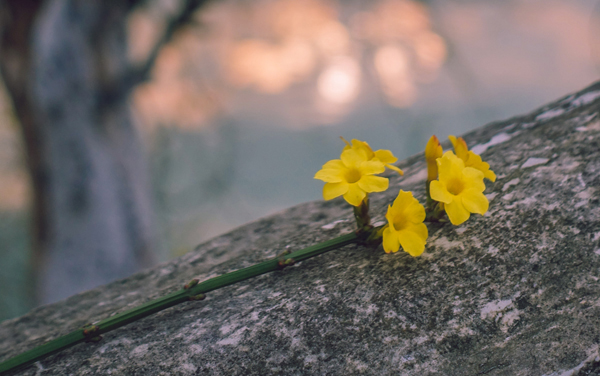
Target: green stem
[{"x": 192, "y": 292}]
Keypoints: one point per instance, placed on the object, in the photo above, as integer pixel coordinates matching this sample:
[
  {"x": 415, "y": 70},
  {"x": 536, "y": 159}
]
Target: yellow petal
[
  {"x": 456, "y": 211},
  {"x": 352, "y": 158},
  {"x": 334, "y": 164},
  {"x": 473, "y": 179},
  {"x": 475, "y": 201},
  {"x": 415, "y": 212},
  {"x": 355, "y": 195},
  {"x": 460, "y": 148},
  {"x": 392, "y": 167},
  {"x": 371, "y": 167},
  {"x": 390, "y": 216},
  {"x": 419, "y": 229},
  {"x": 373, "y": 183},
  {"x": 474, "y": 160},
  {"x": 402, "y": 200},
  {"x": 453, "y": 140},
  {"x": 438, "y": 192},
  {"x": 449, "y": 165},
  {"x": 333, "y": 190},
  {"x": 385, "y": 156},
  {"x": 489, "y": 174},
  {"x": 330, "y": 175},
  {"x": 390, "y": 241},
  {"x": 406, "y": 205},
  {"x": 411, "y": 242},
  {"x": 363, "y": 148}
]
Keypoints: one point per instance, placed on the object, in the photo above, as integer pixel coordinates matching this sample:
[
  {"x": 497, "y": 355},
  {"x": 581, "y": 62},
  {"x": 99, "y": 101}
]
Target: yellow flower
[
  {"x": 352, "y": 176},
  {"x": 405, "y": 225},
  {"x": 433, "y": 151},
  {"x": 383, "y": 155},
  {"x": 460, "y": 188},
  {"x": 471, "y": 159}
]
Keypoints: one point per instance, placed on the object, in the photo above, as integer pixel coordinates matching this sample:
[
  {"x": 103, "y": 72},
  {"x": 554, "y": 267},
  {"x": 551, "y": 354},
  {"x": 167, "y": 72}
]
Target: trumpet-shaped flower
[
  {"x": 352, "y": 177},
  {"x": 460, "y": 188},
  {"x": 384, "y": 156},
  {"x": 470, "y": 158},
  {"x": 405, "y": 225},
  {"x": 433, "y": 151}
]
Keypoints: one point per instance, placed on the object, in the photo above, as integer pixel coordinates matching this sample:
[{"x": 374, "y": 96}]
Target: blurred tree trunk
[{"x": 64, "y": 64}]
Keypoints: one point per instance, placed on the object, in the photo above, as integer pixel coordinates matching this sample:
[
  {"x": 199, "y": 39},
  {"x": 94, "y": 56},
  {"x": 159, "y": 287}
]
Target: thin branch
[
  {"x": 194, "y": 290},
  {"x": 116, "y": 94},
  {"x": 184, "y": 18}
]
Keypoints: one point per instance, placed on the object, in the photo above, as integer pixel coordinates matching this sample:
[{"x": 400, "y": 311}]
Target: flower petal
[
  {"x": 452, "y": 140},
  {"x": 456, "y": 211},
  {"x": 449, "y": 165},
  {"x": 363, "y": 148},
  {"x": 355, "y": 195},
  {"x": 460, "y": 147},
  {"x": 371, "y": 167},
  {"x": 389, "y": 215},
  {"x": 334, "y": 164},
  {"x": 333, "y": 190},
  {"x": 352, "y": 158},
  {"x": 403, "y": 200},
  {"x": 385, "y": 156},
  {"x": 411, "y": 242},
  {"x": 473, "y": 179},
  {"x": 330, "y": 175},
  {"x": 474, "y": 160},
  {"x": 390, "y": 241},
  {"x": 414, "y": 211},
  {"x": 420, "y": 229},
  {"x": 373, "y": 183},
  {"x": 439, "y": 192},
  {"x": 475, "y": 201},
  {"x": 394, "y": 168},
  {"x": 489, "y": 174}
]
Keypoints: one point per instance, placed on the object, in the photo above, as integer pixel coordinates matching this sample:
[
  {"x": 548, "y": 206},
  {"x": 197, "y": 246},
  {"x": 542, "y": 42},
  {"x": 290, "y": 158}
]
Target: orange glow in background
[
  {"x": 269, "y": 46},
  {"x": 391, "y": 69}
]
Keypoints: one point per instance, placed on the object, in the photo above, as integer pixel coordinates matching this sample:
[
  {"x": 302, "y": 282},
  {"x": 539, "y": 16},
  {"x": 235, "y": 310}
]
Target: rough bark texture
[{"x": 514, "y": 292}]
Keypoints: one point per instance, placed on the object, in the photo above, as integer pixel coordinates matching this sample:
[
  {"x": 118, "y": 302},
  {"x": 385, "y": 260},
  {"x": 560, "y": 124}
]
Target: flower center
[
  {"x": 455, "y": 186},
  {"x": 352, "y": 175},
  {"x": 400, "y": 222}
]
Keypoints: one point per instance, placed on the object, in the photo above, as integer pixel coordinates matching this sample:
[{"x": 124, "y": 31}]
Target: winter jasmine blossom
[
  {"x": 471, "y": 159},
  {"x": 352, "y": 177},
  {"x": 460, "y": 188},
  {"x": 382, "y": 155},
  {"x": 405, "y": 225}
]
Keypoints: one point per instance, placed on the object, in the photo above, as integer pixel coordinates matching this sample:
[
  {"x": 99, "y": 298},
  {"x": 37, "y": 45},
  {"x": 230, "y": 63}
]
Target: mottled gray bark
[{"x": 514, "y": 292}]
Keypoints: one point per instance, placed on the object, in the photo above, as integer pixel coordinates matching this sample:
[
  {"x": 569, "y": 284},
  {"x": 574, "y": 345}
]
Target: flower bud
[{"x": 433, "y": 151}]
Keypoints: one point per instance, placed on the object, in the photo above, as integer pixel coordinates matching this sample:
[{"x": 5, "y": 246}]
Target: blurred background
[{"x": 132, "y": 131}]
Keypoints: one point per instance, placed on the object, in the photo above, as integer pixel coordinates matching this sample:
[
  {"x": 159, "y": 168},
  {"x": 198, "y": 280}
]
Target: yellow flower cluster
[
  {"x": 454, "y": 185},
  {"x": 460, "y": 183},
  {"x": 460, "y": 188}
]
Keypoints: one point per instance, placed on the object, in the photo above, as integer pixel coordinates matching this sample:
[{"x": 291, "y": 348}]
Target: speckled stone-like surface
[{"x": 514, "y": 292}]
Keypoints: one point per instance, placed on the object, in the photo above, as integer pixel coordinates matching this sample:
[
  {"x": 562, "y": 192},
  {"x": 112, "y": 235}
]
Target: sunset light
[
  {"x": 339, "y": 82},
  {"x": 272, "y": 46}
]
